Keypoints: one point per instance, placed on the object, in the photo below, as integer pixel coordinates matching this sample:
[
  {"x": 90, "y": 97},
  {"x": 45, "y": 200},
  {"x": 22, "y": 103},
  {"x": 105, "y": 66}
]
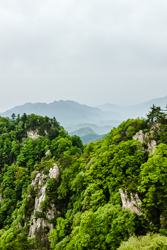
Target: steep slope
[{"x": 56, "y": 194}]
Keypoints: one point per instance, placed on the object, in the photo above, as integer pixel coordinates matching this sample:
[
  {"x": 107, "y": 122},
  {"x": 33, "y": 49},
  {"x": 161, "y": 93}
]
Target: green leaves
[
  {"x": 118, "y": 167},
  {"x": 148, "y": 242},
  {"x": 89, "y": 213},
  {"x": 153, "y": 184},
  {"x": 103, "y": 229},
  {"x": 93, "y": 198}
]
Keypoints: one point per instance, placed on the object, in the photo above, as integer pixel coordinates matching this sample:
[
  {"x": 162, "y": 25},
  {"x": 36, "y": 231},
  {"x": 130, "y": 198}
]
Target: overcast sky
[{"x": 90, "y": 51}]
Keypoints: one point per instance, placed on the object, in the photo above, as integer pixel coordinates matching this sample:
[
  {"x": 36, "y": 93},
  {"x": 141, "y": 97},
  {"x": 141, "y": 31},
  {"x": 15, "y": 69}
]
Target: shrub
[{"x": 148, "y": 242}]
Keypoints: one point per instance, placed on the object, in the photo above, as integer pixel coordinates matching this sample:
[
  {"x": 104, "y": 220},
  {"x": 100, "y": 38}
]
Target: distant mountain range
[
  {"x": 91, "y": 138},
  {"x": 66, "y": 112},
  {"x": 87, "y": 135},
  {"x": 95, "y": 120},
  {"x": 96, "y": 129},
  {"x": 83, "y": 131},
  {"x": 139, "y": 110}
]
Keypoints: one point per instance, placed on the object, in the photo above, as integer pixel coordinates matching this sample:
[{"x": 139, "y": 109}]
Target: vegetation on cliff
[{"x": 86, "y": 197}]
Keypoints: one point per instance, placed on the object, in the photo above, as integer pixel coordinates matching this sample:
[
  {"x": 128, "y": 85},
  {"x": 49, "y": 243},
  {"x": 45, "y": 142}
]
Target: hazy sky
[{"x": 89, "y": 51}]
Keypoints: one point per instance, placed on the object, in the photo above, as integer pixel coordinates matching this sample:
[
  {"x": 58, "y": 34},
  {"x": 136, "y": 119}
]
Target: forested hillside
[{"x": 57, "y": 194}]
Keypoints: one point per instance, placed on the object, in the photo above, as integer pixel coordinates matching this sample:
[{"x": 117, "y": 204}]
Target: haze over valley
[{"x": 86, "y": 121}]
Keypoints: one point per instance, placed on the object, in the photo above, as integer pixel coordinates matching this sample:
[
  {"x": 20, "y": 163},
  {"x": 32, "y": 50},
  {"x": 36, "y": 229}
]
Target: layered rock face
[{"x": 40, "y": 184}]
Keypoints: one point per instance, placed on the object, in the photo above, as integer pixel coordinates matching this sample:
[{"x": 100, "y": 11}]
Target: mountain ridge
[
  {"x": 67, "y": 112},
  {"x": 70, "y": 113},
  {"x": 139, "y": 109}
]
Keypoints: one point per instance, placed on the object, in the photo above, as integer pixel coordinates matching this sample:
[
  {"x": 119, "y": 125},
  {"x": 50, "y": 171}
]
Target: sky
[{"x": 92, "y": 51}]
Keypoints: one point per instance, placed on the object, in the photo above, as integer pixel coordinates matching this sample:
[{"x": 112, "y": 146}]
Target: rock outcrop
[
  {"x": 54, "y": 172},
  {"x": 144, "y": 138},
  {"x": 133, "y": 202},
  {"x": 33, "y": 134},
  {"x": 140, "y": 136},
  {"x": 151, "y": 146},
  {"x": 40, "y": 184},
  {"x": 1, "y": 199}
]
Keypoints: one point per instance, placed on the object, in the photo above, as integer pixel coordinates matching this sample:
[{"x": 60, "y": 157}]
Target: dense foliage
[
  {"x": 87, "y": 198},
  {"x": 148, "y": 242}
]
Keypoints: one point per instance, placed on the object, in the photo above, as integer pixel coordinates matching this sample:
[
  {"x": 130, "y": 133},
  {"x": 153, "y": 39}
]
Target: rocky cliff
[
  {"x": 144, "y": 138},
  {"x": 40, "y": 185}
]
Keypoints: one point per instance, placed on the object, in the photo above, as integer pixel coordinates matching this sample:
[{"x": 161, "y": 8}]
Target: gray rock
[
  {"x": 40, "y": 184},
  {"x": 133, "y": 203},
  {"x": 144, "y": 138},
  {"x": 1, "y": 199},
  {"x": 54, "y": 172},
  {"x": 33, "y": 134}
]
